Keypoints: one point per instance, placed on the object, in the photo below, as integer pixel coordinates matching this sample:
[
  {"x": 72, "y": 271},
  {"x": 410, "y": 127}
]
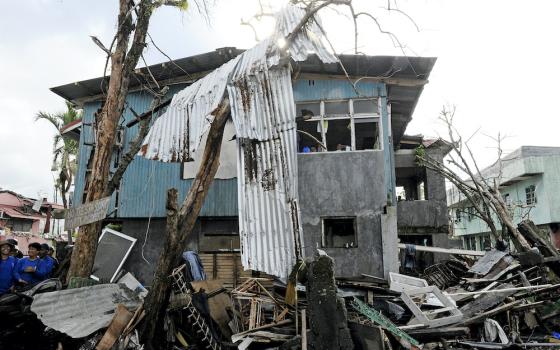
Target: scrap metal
[
  {"x": 81, "y": 311},
  {"x": 259, "y": 87}
]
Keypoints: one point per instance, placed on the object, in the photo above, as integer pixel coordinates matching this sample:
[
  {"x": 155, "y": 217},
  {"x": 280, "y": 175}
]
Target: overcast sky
[{"x": 497, "y": 62}]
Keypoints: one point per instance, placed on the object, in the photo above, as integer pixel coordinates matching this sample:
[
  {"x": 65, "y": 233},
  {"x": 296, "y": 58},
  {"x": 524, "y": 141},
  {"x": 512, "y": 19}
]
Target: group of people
[{"x": 17, "y": 270}]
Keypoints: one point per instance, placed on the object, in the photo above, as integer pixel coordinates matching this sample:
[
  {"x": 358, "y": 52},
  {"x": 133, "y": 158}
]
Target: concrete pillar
[
  {"x": 327, "y": 312},
  {"x": 389, "y": 241}
]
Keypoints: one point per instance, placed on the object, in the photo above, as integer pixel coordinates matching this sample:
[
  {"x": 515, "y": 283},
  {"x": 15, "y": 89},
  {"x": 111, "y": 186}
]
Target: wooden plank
[
  {"x": 483, "y": 316},
  {"x": 86, "y": 213},
  {"x": 486, "y": 302},
  {"x": 303, "y": 330},
  {"x": 421, "y": 248},
  {"x": 121, "y": 318}
]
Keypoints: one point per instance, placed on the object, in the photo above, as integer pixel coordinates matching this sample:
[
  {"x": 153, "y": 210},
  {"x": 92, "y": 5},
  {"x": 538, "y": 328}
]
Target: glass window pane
[
  {"x": 365, "y": 106},
  {"x": 338, "y": 135},
  {"x": 308, "y": 109},
  {"x": 336, "y": 108}
]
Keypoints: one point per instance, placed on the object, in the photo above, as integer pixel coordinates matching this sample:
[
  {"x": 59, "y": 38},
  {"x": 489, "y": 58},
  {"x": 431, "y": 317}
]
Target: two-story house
[
  {"x": 529, "y": 182},
  {"x": 347, "y": 189}
]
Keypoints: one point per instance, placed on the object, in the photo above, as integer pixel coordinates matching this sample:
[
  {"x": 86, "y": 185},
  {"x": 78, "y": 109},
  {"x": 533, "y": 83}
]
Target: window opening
[
  {"x": 457, "y": 215},
  {"x": 471, "y": 213},
  {"x": 530, "y": 196},
  {"x": 339, "y": 125},
  {"x": 339, "y": 232},
  {"x": 367, "y": 133},
  {"x": 507, "y": 199},
  {"x": 338, "y": 135}
]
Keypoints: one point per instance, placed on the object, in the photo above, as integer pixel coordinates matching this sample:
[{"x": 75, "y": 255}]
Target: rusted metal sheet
[
  {"x": 79, "y": 312},
  {"x": 177, "y": 134},
  {"x": 260, "y": 91}
]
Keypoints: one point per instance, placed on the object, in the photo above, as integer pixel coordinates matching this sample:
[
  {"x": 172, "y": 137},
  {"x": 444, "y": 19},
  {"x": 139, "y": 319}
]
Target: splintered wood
[{"x": 255, "y": 306}]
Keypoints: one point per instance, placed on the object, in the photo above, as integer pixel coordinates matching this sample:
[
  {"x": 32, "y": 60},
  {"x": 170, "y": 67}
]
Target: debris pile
[{"x": 499, "y": 300}]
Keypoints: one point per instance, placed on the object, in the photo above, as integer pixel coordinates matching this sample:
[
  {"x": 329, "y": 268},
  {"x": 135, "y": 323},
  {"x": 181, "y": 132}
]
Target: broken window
[
  {"x": 530, "y": 196},
  {"x": 457, "y": 215},
  {"x": 338, "y": 135},
  {"x": 339, "y": 232},
  {"x": 22, "y": 225},
  {"x": 507, "y": 199},
  {"x": 346, "y": 125}
]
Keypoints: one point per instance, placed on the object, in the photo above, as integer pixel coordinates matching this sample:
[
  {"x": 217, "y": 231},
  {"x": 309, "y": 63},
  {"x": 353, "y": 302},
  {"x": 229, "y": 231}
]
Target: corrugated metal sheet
[
  {"x": 308, "y": 41},
  {"x": 263, "y": 111},
  {"x": 81, "y": 311},
  {"x": 173, "y": 137}
]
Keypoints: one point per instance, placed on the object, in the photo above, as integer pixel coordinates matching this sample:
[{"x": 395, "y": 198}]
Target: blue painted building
[{"x": 349, "y": 128}]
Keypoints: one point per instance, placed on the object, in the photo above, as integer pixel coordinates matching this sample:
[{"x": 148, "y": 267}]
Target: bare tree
[
  {"x": 480, "y": 190},
  {"x": 124, "y": 54}
]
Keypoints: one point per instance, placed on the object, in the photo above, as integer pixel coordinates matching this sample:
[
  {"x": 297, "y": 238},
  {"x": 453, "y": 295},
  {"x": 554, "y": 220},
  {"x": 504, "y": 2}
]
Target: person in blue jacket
[
  {"x": 47, "y": 262},
  {"x": 7, "y": 267},
  {"x": 29, "y": 271}
]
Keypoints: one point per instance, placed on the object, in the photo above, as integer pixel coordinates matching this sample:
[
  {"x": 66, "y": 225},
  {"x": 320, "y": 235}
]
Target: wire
[{"x": 150, "y": 217}]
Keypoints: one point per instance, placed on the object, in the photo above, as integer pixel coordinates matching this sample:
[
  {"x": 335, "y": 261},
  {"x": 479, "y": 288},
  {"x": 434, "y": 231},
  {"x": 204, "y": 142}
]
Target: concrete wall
[
  {"x": 344, "y": 184},
  {"x": 135, "y": 263},
  {"x": 423, "y": 216}
]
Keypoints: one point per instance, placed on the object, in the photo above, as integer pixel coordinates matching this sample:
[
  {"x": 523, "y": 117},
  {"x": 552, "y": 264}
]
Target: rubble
[{"x": 494, "y": 302}]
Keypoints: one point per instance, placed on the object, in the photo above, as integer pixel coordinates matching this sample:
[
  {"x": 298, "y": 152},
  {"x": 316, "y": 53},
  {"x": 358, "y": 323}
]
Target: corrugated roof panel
[
  {"x": 79, "y": 312},
  {"x": 176, "y": 134}
]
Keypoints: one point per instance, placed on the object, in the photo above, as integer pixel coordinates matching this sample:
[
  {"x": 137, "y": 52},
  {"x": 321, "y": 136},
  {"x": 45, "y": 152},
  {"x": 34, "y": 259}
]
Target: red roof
[
  {"x": 70, "y": 126},
  {"x": 14, "y": 213}
]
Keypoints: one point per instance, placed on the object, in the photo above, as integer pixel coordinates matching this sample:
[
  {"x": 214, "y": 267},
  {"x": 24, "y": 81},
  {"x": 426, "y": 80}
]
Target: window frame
[
  {"x": 531, "y": 195},
  {"x": 322, "y": 117}
]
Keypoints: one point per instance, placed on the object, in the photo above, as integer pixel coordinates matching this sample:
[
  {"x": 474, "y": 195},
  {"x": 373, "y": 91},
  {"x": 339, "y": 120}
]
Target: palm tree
[{"x": 65, "y": 149}]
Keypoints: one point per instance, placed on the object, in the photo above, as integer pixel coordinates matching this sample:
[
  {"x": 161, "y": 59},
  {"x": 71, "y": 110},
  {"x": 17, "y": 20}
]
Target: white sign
[
  {"x": 86, "y": 213},
  {"x": 227, "y": 168},
  {"x": 37, "y": 205}
]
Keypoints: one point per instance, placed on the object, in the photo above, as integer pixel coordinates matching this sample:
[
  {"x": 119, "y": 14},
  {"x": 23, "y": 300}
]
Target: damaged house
[{"x": 323, "y": 177}]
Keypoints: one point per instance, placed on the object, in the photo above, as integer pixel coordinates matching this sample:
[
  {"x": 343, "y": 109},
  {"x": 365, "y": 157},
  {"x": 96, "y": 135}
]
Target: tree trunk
[
  {"x": 530, "y": 231},
  {"x": 177, "y": 236},
  {"x": 158, "y": 296},
  {"x": 122, "y": 66}
]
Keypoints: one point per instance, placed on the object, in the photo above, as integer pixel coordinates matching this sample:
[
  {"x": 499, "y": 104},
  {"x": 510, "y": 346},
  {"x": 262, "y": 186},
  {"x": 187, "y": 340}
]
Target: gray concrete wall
[
  {"x": 344, "y": 184},
  {"x": 429, "y": 215},
  {"x": 142, "y": 270}
]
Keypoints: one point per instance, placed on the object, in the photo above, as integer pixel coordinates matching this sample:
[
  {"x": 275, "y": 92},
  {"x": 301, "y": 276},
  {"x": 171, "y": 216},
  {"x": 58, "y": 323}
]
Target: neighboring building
[
  {"x": 347, "y": 194},
  {"x": 529, "y": 184},
  {"x": 26, "y": 219}
]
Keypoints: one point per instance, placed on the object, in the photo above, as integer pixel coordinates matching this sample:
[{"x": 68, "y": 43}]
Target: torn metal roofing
[
  {"x": 79, "y": 312},
  {"x": 259, "y": 87}
]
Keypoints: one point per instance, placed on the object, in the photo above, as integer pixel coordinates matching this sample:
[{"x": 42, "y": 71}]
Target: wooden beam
[{"x": 421, "y": 248}]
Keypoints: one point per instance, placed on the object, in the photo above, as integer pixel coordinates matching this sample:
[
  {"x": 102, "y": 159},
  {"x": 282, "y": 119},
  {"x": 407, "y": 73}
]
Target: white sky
[{"x": 497, "y": 62}]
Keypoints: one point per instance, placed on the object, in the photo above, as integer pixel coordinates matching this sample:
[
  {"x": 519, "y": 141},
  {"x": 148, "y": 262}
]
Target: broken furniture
[{"x": 448, "y": 314}]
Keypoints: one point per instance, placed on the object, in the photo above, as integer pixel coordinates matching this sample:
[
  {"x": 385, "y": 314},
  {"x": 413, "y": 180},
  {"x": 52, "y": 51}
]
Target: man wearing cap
[
  {"x": 16, "y": 253},
  {"x": 28, "y": 269},
  {"x": 7, "y": 267},
  {"x": 47, "y": 262}
]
